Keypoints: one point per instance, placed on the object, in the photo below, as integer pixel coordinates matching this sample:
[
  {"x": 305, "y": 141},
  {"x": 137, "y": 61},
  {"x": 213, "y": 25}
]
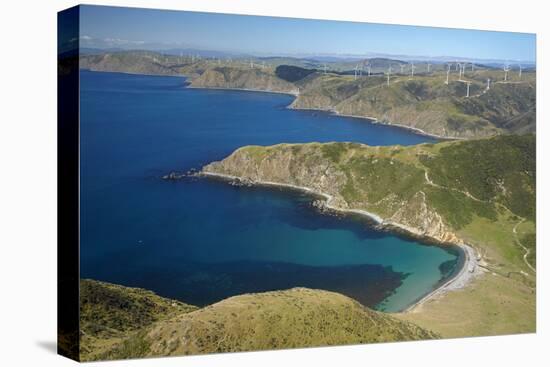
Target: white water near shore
[{"x": 459, "y": 280}]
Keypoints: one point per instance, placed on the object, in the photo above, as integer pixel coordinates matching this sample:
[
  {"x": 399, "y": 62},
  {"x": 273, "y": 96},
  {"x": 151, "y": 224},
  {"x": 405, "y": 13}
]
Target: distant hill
[
  {"x": 121, "y": 322},
  {"x": 137, "y": 62},
  {"x": 424, "y": 101},
  {"x": 261, "y": 79}
]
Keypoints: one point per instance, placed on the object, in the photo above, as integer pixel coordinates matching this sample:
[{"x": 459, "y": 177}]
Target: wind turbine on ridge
[
  {"x": 506, "y": 69},
  {"x": 388, "y": 74}
]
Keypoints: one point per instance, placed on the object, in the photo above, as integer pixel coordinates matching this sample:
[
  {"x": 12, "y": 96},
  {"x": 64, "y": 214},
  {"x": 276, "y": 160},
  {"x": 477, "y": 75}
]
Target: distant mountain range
[{"x": 329, "y": 58}]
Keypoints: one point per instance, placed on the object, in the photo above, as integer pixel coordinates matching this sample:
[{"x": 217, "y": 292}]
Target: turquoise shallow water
[{"x": 202, "y": 240}]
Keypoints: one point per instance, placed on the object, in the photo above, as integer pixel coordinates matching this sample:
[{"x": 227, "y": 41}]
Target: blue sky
[{"x": 133, "y": 28}]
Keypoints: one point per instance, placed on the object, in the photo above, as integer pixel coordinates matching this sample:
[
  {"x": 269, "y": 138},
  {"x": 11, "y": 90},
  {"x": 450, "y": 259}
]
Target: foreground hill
[
  {"x": 424, "y": 102},
  {"x": 479, "y": 192},
  {"x": 109, "y": 313},
  {"x": 120, "y": 322}
]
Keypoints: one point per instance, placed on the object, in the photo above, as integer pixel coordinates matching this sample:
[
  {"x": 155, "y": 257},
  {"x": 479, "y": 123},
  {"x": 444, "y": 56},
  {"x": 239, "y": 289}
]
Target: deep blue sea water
[{"x": 202, "y": 240}]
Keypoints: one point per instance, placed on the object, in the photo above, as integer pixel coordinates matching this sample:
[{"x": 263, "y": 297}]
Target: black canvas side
[{"x": 68, "y": 184}]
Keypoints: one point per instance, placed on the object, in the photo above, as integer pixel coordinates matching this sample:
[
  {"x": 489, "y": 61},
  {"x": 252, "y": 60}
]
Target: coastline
[
  {"x": 372, "y": 120},
  {"x": 130, "y": 73},
  {"x": 461, "y": 277},
  {"x": 245, "y": 90}
]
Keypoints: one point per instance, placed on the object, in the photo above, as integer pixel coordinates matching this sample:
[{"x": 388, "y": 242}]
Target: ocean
[{"x": 203, "y": 240}]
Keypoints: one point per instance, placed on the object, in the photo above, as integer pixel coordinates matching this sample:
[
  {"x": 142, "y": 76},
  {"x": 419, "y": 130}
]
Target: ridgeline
[{"x": 424, "y": 102}]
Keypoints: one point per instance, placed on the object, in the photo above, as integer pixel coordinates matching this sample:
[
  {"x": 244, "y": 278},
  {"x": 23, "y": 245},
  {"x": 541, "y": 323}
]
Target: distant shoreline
[
  {"x": 245, "y": 90},
  {"x": 372, "y": 120},
  {"x": 461, "y": 277}
]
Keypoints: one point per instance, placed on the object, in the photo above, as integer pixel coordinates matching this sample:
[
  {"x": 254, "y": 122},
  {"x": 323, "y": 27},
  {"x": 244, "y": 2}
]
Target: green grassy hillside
[{"x": 129, "y": 323}]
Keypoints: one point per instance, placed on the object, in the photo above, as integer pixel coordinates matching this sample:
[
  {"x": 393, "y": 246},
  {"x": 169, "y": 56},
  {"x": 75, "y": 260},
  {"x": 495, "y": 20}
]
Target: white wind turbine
[
  {"x": 448, "y": 72},
  {"x": 355, "y": 71},
  {"x": 429, "y": 66},
  {"x": 412, "y": 70},
  {"x": 402, "y": 66},
  {"x": 488, "y": 84},
  {"x": 468, "y": 89},
  {"x": 388, "y": 74},
  {"x": 520, "y": 70},
  {"x": 325, "y": 68},
  {"x": 506, "y": 69}
]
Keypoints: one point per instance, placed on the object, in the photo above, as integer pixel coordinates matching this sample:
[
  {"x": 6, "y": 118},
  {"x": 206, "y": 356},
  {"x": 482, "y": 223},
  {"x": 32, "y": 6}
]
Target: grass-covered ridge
[{"x": 120, "y": 322}]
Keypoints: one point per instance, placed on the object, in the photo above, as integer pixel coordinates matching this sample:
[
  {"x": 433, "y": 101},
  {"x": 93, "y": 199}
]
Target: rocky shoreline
[{"x": 459, "y": 280}]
